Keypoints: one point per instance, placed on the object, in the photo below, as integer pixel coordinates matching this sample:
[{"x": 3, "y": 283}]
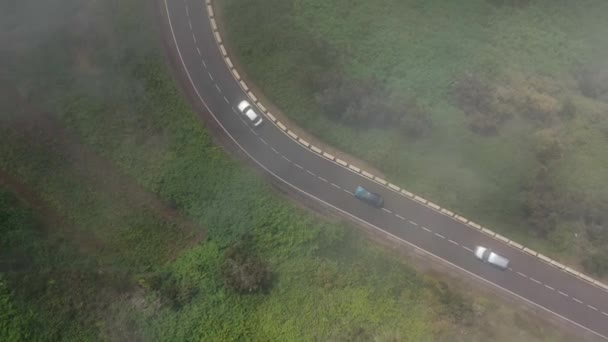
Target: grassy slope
[
  {"x": 109, "y": 268},
  {"x": 420, "y": 48}
]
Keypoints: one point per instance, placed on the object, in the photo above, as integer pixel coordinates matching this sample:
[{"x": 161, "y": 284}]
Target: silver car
[
  {"x": 248, "y": 111},
  {"x": 486, "y": 255}
]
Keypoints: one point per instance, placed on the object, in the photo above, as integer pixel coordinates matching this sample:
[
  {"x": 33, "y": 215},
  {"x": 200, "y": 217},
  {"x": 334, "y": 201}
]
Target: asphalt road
[{"x": 540, "y": 284}]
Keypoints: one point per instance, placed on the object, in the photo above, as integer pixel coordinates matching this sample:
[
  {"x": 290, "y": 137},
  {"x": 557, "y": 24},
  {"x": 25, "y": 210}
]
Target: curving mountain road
[{"x": 546, "y": 287}]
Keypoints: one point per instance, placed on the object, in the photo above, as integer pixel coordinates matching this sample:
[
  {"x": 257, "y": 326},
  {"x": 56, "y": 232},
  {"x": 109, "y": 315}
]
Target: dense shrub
[
  {"x": 243, "y": 270},
  {"x": 415, "y": 121},
  {"x": 596, "y": 264},
  {"x": 593, "y": 81},
  {"x": 477, "y": 99}
]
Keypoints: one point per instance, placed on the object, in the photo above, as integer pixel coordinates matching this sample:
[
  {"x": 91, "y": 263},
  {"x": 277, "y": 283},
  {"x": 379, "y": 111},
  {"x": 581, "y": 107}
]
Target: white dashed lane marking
[
  {"x": 414, "y": 223},
  {"x": 193, "y": 36},
  {"x": 298, "y": 166},
  {"x": 204, "y": 64},
  {"x": 274, "y": 150},
  {"x": 199, "y": 51},
  {"x": 439, "y": 235},
  {"x": 467, "y": 248},
  {"x": 399, "y": 216},
  {"x": 388, "y": 211},
  {"x": 523, "y": 275},
  {"x": 286, "y": 158},
  {"x": 592, "y": 307},
  {"x": 218, "y": 88},
  {"x": 265, "y": 143},
  {"x": 563, "y": 294},
  {"x": 605, "y": 314},
  {"x": 226, "y": 99},
  {"x": 323, "y": 179},
  {"x": 348, "y": 192},
  {"x": 425, "y": 228},
  {"x": 335, "y": 186},
  {"x": 311, "y": 173},
  {"x": 549, "y": 287},
  {"x": 210, "y": 76},
  {"x": 534, "y": 280},
  {"x": 454, "y": 242},
  {"x": 576, "y": 300}
]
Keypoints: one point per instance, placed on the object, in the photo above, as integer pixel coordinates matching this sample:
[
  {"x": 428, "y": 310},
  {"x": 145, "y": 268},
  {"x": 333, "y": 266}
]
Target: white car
[
  {"x": 486, "y": 255},
  {"x": 248, "y": 111}
]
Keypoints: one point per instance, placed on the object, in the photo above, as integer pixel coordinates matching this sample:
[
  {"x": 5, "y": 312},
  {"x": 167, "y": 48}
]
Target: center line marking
[
  {"x": 576, "y": 300},
  {"x": 414, "y": 223},
  {"x": 323, "y": 179},
  {"x": 549, "y": 287},
  {"x": 523, "y": 275},
  {"x": 563, "y": 294},
  {"x": 337, "y": 186},
  {"x": 425, "y": 228},
  {"x": 534, "y": 280},
  {"x": 454, "y": 242},
  {"x": 441, "y": 236},
  {"x": 592, "y": 307},
  {"x": 388, "y": 211},
  {"x": 399, "y": 216}
]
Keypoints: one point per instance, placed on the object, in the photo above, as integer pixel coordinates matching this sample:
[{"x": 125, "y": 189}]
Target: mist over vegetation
[{"x": 494, "y": 108}]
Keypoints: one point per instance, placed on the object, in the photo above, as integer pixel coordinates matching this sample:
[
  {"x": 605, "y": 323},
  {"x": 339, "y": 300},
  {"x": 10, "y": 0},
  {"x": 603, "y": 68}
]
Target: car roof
[
  {"x": 498, "y": 260},
  {"x": 251, "y": 114}
]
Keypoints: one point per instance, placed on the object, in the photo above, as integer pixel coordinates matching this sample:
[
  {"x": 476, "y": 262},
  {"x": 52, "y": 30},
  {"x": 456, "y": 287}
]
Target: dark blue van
[{"x": 369, "y": 197}]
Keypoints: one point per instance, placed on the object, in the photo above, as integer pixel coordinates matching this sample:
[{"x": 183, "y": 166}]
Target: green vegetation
[
  {"x": 121, "y": 220},
  {"x": 494, "y": 108}
]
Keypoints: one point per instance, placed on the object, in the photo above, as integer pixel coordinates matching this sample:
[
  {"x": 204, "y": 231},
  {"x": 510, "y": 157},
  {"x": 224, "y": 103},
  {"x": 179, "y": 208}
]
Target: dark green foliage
[
  {"x": 243, "y": 270},
  {"x": 476, "y": 98},
  {"x": 596, "y": 264},
  {"x": 593, "y": 81},
  {"x": 415, "y": 122},
  {"x": 454, "y": 305},
  {"x": 365, "y": 104}
]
